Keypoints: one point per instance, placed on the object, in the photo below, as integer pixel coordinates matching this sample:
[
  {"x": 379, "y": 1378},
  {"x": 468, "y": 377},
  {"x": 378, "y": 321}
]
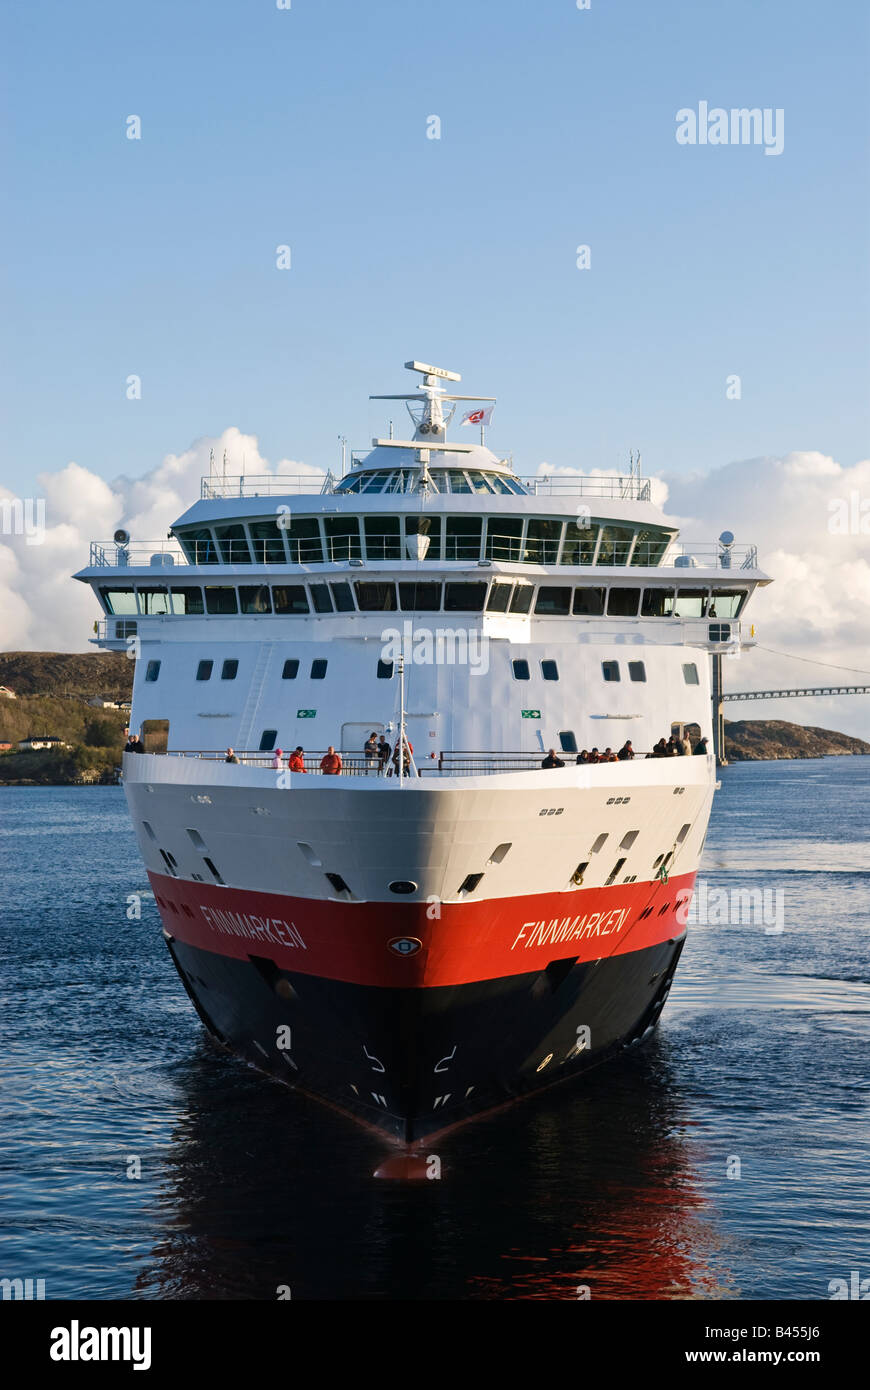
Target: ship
[{"x": 490, "y": 895}]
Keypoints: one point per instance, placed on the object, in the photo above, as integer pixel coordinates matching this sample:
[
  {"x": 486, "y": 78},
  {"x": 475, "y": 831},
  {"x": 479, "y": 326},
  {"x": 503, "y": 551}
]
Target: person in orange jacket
[
  {"x": 295, "y": 763},
  {"x": 330, "y": 763}
]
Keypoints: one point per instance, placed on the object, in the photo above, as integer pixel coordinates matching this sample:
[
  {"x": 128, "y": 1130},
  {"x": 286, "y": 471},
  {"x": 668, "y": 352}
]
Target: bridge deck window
[
  {"x": 690, "y": 673},
  {"x": 290, "y": 598},
  {"x": 464, "y": 598},
  {"x": 463, "y": 536},
  {"x": 622, "y": 603},
  {"x": 553, "y": 599},
  {"x": 304, "y": 546},
  {"x": 267, "y": 540},
  {"x": 549, "y": 670},
  {"x": 428, "y": 526},
  {"x": 187, "y": 598},
  {"x": 521, "y": 598},
  {"x": 220, "y": 599},
  {"x": 383, "y": 538},
  {"x": 318, "y": 669},
  {"x": 342, "y": 597},
  {"x": 610, "y": 670},
  {"x": 499, "y": 597},
  {"x": 321, "y": 598},
  {"x": 636, "y": 671},
  {"x": 229, "y": 669},
  {"x": 290, "y": 669},
  {"x": 119, "y": 601},
  {"x": 204, "y": 670},
  {"x": 342, "y": 537},
  {"x": 589, "y": 602},
  {"x": 542, "y": 541},
  {"x": 504, "y": 537},
  {"x": 420, "y": 598},
  {"x": 520, "y": 669},
  {"x": 375, "y": 597},
  {"x": 233, "y": 544},
  {"x": 254, "y": 598},
  {"x": 691, "y": 603},
  {"x": 153, "y": 600},
  {"x": 657, "y": 603}
]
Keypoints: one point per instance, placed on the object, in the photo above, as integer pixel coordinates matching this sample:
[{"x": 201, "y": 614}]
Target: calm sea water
[{"x": 619, "y": 1182}]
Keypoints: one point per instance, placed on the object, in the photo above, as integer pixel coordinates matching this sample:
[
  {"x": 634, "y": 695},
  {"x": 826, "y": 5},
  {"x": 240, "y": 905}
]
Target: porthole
[{"x": 402, "y": 886}]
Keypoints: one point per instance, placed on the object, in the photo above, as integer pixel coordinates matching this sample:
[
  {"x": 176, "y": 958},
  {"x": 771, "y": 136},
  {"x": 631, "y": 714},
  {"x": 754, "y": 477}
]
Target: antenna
[{"x": 343, "y": 442}]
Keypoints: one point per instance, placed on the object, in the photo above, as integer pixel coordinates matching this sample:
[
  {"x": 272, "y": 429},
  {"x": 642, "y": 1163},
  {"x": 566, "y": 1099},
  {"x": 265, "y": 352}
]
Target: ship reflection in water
[{"x": 584, "y": 1188}]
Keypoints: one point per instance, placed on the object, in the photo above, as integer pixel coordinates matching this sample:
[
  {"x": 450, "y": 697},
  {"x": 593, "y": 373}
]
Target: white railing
[{"x": 266, "y": 485}]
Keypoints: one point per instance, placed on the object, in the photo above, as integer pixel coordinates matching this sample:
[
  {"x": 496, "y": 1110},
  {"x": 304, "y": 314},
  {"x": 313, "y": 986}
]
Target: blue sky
[{"x": 307, "y": 127}]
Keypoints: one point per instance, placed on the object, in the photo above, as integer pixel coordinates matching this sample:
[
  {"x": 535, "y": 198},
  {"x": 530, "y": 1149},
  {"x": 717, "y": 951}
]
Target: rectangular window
[
  {"x": 304, "y": 545},
  {"x": 610, "y": 670},
  {"x": 462, "y": 541},
  {"x": 342, "y": 597},
  {"x": 234, "y": 544},
  {"x": 321, "y": 598},
  {"x": 615, "y": 545},
  {"x": 318, "y": 670},
  {"x": 726, "y": 603},
  {"x": 203, "y": 670},
  {"x": 375, "y": 598},
  {"x": 578, "y": 548},
  {"x": 119, "y": 601},
  {"x": 464, "y": 598},
  {"x": 342, "y": 538},
  {"x": 383, "y": 541},
  {"x": 385, "y": 670},
  {"x": 267, "y": 740},
  {"x": 649, "y": 547},
  {"x": 588, "y": 602},
  {"x": 657, "y": 603},
  {"x": 499, "y": 597},
  {"x": 521, "y": 599},
  {"x": 152, "y": 670},
  {"x": 420, "y": 598},
  {"x": 542, "y": 541},
  {"x": 153, "y": 602},
  {"x": 229, "y": 670},
  {"x": 254, "y": 598},
  {"x": 267, "y": 539},
  {"x": 220, "y": 600},
  {"x": 187, "y": 598},
  {"x": 552, "y": 599},
  {"x": 636, "y": 671},
  {"x": 568, "y": 741},
  {"x": 291, "y": 670},
  {"x": 504, "y": 536},
  {"x": 690, "y": 673},
  {"x": 691, "y": 603},
  {"x": 521, "y": 670},
  {"x": 549, "y": 670},
  {"x": 199, "y": 547},
  {"x": 289, "y": 598},
  {"x": 622, "y": 603}
]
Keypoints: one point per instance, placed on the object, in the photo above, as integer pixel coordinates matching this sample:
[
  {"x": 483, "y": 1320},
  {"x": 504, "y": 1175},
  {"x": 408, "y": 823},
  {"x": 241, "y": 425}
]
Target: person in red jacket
[
  {"x": 295, "y": 763},
  {"x": 330, "y": 763}
]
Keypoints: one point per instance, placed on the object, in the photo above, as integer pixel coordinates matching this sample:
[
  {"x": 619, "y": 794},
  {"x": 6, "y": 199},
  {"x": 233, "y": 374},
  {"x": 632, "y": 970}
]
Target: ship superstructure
[{"x": 418, "y": 942}]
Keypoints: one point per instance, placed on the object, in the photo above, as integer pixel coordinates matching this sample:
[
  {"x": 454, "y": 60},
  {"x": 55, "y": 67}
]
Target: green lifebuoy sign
[
  {"x": 531, "y": 714},
  {"x": 306, "y": 713}
]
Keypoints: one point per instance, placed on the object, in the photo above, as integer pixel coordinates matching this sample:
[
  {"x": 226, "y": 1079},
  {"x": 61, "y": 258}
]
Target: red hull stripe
[{"x": 363, "y": 943}]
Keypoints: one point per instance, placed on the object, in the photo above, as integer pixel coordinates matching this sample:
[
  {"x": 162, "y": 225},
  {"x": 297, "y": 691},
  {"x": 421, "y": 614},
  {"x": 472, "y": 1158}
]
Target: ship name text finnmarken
[
  {"x": 273, "y": 929},
  {"x": 571, "y": 928}
]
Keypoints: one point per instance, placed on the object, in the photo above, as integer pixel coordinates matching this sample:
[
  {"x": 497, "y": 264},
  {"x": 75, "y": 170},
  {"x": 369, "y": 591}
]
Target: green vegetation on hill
[
  {"x": 52, "y": 690},
  {"x": 750, "y": 740}
]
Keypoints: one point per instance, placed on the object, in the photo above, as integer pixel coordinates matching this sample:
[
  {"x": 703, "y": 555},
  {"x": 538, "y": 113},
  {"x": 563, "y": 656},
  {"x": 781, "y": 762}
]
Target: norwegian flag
[{"x": 478, "y": 417}]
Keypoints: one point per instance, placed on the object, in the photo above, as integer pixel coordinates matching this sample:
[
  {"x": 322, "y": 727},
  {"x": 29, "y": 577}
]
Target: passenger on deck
[
  {"x": 660, "y": 750},
  {"x": 408, "y": 750},
  {"x": 330, "y": 763},
  {"x": 383, "y": 754},
  {"x": 625, "y": 752},
  {"x": 295, "y": 762},
  {"x": 277, "y": 758},
  {"x": 595, "y": 756},
  {"x": 134, "y": 744},
  {"x": 551, "y": 760},
  {"x": 687, "y": 745},
  {"x": 583, "y": 756},
  {"x": 701, "y": 746},
  {"x": 370, "y": 748},
  {"x": 231, "y": 757},
  {"x": 608, "y": 756}
]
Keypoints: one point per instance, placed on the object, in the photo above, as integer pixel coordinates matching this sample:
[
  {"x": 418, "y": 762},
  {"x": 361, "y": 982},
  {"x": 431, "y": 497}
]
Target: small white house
[{"x": 37, "y": 741}]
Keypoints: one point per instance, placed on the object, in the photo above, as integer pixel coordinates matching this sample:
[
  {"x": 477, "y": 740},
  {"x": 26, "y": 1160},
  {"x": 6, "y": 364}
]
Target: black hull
[{"x": 413, "y": 1062}]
